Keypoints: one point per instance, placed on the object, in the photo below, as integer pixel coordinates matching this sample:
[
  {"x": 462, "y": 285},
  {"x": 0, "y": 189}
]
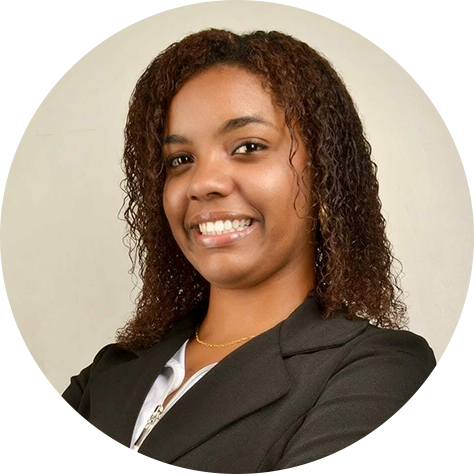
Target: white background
[{"x": 67, "y": 71}]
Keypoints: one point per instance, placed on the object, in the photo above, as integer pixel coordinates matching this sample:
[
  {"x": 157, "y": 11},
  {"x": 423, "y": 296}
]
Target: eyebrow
[{"x": 227, "y": 127}]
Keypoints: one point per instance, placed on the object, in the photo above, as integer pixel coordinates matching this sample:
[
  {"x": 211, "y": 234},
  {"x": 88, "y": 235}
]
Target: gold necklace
[{"x": 220, "y": 345}]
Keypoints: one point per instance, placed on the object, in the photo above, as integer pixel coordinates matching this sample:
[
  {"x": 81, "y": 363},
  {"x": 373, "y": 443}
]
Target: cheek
[
  {"x": 278, "y": 187},
  {"x": 271, "y": 184},
  {"x": 273, "y": 194}
]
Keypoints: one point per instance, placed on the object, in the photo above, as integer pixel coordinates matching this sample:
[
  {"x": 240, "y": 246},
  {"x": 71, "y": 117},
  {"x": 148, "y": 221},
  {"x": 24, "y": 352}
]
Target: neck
[{"x": 237, "y": 313}]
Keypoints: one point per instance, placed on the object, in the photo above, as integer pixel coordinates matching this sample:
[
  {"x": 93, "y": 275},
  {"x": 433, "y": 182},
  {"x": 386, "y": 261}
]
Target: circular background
[{"x": 65, "y": 268}]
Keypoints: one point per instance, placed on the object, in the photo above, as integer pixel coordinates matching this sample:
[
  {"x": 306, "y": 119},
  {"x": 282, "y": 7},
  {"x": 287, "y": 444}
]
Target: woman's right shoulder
[
  {"x": 108, "y": 357},
  {"x": 112, "y": 354}
]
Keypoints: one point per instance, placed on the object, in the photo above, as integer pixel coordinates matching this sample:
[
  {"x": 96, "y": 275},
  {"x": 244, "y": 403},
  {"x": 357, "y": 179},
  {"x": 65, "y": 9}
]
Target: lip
[{"x": 222, "y": 240}]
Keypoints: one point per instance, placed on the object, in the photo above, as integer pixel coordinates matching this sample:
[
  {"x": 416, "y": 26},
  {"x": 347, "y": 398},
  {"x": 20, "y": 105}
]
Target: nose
[{"x": 210, "y": 178}]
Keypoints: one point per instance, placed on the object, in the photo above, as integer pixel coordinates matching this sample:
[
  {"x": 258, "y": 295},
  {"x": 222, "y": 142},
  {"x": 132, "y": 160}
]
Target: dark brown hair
[{"x": 354, "y": 262}]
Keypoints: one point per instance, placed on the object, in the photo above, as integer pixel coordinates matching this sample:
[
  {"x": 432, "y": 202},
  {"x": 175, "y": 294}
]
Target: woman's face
[{"x": 227, "y": 150}]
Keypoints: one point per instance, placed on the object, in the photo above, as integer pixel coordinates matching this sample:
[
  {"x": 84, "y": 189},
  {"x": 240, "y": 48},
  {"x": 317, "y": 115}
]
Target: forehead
[{"x": 217, "y": 95}]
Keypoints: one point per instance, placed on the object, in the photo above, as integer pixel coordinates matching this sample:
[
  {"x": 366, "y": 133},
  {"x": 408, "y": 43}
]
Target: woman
[{"x": 267, "y": 333}]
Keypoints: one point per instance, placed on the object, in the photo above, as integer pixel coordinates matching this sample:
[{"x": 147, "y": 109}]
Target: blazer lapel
[{"x": 247, "y": 379}]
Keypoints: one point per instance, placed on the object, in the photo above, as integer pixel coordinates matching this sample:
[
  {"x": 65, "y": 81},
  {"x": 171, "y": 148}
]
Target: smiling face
[{"x": 227, "y": 151}]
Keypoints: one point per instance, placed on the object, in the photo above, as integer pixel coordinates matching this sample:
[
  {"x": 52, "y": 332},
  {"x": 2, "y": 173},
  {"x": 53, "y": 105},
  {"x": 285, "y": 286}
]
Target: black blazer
[{"x": 298, "y": 392}]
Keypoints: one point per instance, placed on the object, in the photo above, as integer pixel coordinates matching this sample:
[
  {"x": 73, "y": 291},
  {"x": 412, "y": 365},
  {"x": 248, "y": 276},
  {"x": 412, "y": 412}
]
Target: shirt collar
[{"x": 179, "y": 358}]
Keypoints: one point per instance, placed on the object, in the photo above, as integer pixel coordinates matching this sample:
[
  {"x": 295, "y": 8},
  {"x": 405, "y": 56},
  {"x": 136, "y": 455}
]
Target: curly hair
[{"x": 354, "y": 265}]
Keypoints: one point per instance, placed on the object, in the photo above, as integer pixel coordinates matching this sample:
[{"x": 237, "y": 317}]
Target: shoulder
[
  {"x": 399, "y": 359},
  {"x": 109, "y": 356},
  {"x": 396, "y": 336},
  {"x": 394, "y": 341}
]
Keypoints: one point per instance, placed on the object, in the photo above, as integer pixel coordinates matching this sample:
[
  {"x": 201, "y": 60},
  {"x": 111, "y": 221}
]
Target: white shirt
[{"x": 170, "y": 378}]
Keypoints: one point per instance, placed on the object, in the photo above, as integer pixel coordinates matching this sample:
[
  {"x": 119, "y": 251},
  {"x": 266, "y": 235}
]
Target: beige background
[{"x": 64, "y": 264}]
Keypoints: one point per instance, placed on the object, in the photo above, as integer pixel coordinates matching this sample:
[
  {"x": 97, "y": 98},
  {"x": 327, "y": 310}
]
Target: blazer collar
[
  {"x": 305, "y": 329},
  {"x": 249, "y": 378}
]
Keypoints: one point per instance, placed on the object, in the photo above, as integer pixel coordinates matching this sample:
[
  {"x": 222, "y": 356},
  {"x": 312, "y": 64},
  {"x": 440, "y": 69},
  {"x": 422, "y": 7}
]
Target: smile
[{"x": 222, "y": 238}]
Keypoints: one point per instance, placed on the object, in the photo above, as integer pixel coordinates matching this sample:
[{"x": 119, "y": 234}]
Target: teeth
[{"x": 223, "y": 227}]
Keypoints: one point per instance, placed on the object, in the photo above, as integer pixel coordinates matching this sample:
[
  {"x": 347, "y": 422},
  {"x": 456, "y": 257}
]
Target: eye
[
  {"x": 253, "y": 144},
  {"x": 176, "y": 161},
  {"x": 249, "y": 147}
]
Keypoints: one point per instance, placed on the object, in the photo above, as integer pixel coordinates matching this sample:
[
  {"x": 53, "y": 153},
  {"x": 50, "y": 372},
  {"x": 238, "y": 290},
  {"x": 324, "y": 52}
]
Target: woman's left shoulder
[{"x": 395, "y": 347}]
